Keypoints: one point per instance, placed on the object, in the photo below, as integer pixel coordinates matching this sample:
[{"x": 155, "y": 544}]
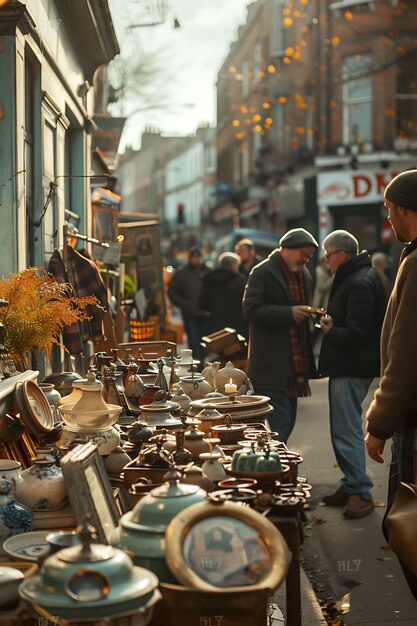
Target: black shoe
[{"x": 338, "y": 498}]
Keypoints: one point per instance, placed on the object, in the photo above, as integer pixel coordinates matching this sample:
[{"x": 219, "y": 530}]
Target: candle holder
[{"x": 232, "y": 396}]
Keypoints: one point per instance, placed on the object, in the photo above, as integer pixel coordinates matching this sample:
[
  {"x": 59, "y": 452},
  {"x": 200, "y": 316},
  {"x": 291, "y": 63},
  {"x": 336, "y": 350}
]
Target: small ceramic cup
[{"x": 62, "y": 539}]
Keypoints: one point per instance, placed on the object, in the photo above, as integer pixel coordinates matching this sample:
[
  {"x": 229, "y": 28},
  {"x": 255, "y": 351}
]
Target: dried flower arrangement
[{"x": 38, "y": 310}]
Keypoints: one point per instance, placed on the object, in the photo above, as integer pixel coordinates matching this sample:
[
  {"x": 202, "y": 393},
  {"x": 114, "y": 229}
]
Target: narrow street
[{"x": 347, "y": 558}]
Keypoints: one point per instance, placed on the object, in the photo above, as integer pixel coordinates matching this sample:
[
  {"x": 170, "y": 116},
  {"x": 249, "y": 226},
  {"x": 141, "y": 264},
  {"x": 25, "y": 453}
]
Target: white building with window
[
  {"x": 190, "y": 184},
  {"x": 50, "y": 51}
]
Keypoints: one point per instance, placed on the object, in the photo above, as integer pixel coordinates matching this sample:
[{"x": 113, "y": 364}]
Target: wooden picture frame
[
  {"x": 89, "y": 490},
  {"x": 217, "y": 546}
]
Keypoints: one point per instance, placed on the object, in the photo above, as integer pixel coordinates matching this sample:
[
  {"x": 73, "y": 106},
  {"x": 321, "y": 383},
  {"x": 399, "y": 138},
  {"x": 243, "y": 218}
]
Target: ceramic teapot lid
[
  {"x": 172, "y": 488},
  {"x": 90, "y": 383},
  {"x": 208, "y": 413},
  {"x": 89, "y": 580}
]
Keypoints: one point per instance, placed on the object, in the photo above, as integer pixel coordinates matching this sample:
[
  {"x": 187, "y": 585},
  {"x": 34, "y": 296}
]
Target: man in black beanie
[
  {"x": 280, "y": 358},
  {"x": 393, "y": 412}
]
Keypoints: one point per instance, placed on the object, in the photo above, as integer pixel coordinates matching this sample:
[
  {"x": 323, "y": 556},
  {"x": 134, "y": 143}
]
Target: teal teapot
[
  {"x": 142, "y": 531},
  {"x": 92, "y": 581}
]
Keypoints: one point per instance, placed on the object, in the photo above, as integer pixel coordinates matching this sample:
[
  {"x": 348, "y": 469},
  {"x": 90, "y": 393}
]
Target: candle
[{"x": 230, "y": 387}]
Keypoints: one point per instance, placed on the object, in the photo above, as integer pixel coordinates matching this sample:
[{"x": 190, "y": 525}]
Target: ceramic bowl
[
  {"x": 264, "y": 479},
  {"x": 27, "y": 546},
  {"x": 10, "y": 579},
  {"x": 62, "y": 539},
  {"x": 62, "y": 381}
]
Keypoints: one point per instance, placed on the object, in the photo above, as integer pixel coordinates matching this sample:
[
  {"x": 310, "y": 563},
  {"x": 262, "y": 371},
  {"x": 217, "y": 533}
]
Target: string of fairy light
[{"x": 254, "y": 113}]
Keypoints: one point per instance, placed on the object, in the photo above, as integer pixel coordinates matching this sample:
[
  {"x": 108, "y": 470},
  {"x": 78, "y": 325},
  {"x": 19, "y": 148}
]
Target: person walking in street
[
  {"x": 280, "y": 359},
  {"x": 184, "y": 293},
  {"x": 221, "y": 295},
  {"x": 393, "y": 411},
  {"x": 380, "y": 262},
  {"x": 349, "y": 355},
  {"x": 245, "y": 248}
]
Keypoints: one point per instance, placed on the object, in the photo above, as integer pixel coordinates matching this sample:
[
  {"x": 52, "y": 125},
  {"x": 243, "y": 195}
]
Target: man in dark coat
[
  {"x": 280, "y": 359},
  {"x": 184, "y": 292},
  {"x": 221, "y": 295},
  {"x": 350, "y": 357},
  {"x": 245, "y": 248}
]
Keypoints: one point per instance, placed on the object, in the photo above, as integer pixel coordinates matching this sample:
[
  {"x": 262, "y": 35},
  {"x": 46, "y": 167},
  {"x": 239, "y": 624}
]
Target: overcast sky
[{"x": 189, "y": 57}]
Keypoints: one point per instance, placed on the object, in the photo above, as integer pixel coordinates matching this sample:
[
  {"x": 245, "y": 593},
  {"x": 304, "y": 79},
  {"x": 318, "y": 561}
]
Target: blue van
[{"x": 264, "y": 242}]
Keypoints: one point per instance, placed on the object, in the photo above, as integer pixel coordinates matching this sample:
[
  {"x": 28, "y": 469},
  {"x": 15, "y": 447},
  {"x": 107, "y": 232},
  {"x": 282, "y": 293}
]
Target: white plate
[{"x": 27, "y": 546}]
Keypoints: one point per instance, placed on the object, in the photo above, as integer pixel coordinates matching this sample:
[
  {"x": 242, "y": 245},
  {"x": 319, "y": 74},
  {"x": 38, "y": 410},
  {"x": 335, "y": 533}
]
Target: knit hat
[
  {"x": 402, "y": 190},
  {"x": 297, "y": 238},
  {"x": 194, "y": 251}
]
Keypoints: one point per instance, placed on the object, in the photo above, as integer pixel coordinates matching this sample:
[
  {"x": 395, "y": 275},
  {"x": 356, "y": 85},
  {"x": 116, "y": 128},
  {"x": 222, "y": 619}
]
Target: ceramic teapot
[
  {"x": 232, "y": 374},
  {"x": 92, "y": 581},
  {"x": 142, "y": 530},
  {"x": 42, "y": 487},
  {"x": 194, "y": 439},
  {"x": 195, "y": 386},
  {"x": 209, "y": 373}
]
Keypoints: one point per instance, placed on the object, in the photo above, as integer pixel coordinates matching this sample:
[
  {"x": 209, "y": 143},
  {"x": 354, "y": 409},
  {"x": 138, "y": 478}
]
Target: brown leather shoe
[
  {"x": 357, "y": 507},
  {"x": 338, "y": 498}
]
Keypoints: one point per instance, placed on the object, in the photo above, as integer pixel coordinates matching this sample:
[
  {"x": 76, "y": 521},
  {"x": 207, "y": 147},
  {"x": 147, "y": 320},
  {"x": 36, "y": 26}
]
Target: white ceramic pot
[
  {"x": 11, "y": 470},
  {"x": 42, "y": 487}
]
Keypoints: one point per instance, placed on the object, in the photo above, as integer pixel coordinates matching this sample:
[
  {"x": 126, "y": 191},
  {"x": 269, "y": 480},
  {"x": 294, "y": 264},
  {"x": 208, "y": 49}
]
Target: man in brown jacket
[{"x": 393, "y": 412}]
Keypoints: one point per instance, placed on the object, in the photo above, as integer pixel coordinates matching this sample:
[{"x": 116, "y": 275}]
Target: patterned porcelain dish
[{"x": 27, "y": 546}]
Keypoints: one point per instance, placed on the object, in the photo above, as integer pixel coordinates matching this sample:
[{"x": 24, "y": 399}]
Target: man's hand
[
  {"x": 374, "y": 447},
  {"x": 301, "y": 312},
  {"x": 326, "y": 323}
]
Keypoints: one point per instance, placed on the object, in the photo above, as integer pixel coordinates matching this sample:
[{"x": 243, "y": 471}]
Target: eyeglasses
[{"x": 327, "y": 255}]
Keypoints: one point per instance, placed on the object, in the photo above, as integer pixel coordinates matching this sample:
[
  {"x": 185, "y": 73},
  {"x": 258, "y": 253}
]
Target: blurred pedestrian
[
  {"x": 184, "y": 293},
  {"x": 221, "y": 295},
  {"x": 380, "y": 263},
  {"x": 349, "y": 355},
  {"x": 280, "y": 359},
  {"x": 393, "y": 411},
  {"x": 322, "y": 285},
  {"x": 245, "y": 248}
]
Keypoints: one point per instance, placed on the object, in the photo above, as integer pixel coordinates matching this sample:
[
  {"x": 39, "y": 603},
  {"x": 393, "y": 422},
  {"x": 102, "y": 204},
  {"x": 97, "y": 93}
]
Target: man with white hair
[{"x": 349, "y": 355}]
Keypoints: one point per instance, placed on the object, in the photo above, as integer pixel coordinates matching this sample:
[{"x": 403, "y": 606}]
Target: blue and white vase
[
  {"x": 42, "y": 487},
  {"x": 15, "y": 518}
]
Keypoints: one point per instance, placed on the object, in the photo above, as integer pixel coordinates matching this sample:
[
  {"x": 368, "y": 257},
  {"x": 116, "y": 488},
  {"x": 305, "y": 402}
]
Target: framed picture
[
  {"x": 89, "y": 490},
  {"x": 121, "y": 496},
  {"x": 213, "y": 546}
]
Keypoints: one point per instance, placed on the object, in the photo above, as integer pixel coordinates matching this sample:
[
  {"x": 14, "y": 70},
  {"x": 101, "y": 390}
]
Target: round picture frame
[
  {"x": 241, "y": 551},
  {"x": 35, "y": 410}
]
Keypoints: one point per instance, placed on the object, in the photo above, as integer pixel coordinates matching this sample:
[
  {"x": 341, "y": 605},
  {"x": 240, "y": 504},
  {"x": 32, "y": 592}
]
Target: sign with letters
[{"x": 355, "y": 186}]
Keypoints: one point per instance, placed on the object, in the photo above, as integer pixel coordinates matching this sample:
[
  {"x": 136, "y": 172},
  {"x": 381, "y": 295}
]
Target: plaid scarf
[
  {"x": 85, "y": 281},
  {"x": 298, "y": 334}
]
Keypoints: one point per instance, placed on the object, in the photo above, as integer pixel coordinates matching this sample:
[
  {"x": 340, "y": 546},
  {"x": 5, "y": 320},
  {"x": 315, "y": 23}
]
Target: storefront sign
[{"x": 354, "y": 186}]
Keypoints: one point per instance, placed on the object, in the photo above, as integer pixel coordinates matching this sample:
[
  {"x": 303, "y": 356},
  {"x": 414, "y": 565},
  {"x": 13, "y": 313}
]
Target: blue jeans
[
  {"x": 282, "y": 419},
  {"x": 195, "y": 328},
  {"x": 345, "y": 399}
]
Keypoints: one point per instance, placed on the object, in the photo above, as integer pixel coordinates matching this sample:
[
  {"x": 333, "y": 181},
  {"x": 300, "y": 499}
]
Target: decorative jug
[
  {"x": 15, "y": 518},
  {"x": 43, "y": 486}
]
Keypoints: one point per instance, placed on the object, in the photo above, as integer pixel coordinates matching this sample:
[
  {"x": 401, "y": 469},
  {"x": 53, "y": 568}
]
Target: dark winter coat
[
  {"x": 357, "y": 304},
  {"x": 184, "y": 290},
  {"x": 267, "y": 307},
  {"x": 221, "y": 295},
  {"x": 246, "y": 270}
]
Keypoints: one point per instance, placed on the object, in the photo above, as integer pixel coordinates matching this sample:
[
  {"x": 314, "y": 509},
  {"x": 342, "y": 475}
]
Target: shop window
[
  {"x": 407, "y": 103},
  {"x": 279, "y": 35},
  {"x": 357, "y": 99}
]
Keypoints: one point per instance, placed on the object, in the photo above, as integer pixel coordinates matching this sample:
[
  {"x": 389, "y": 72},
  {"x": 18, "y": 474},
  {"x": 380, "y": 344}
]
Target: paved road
[{"x": 347, "y": 557}]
